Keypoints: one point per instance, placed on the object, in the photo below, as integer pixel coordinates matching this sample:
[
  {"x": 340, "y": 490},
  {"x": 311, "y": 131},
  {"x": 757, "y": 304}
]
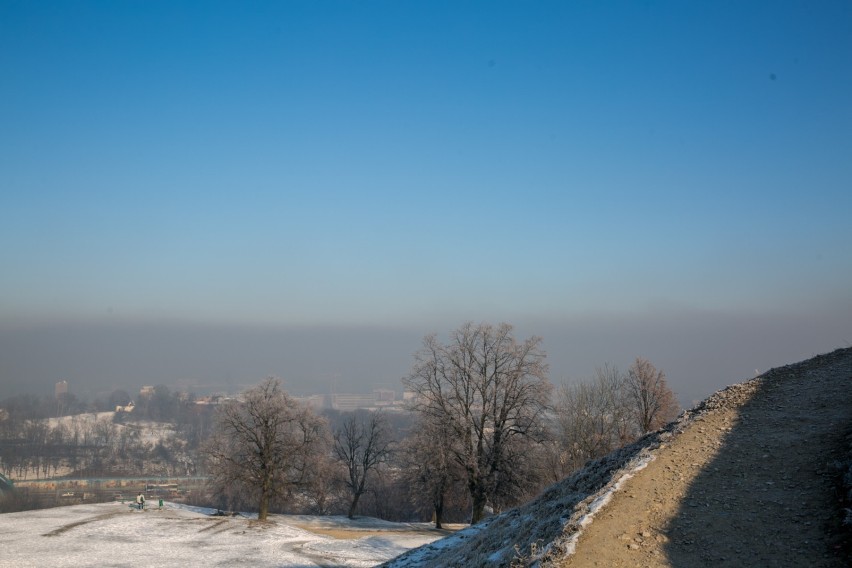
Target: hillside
[{"x": 751, "y": 476}]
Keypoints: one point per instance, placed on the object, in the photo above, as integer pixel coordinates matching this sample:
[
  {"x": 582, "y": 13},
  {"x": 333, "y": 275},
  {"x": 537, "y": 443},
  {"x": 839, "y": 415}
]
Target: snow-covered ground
[
  {"x": 149, "y": 431},
  {"x": 84, "y": 419},
  {"x": 111, "y": 534}
]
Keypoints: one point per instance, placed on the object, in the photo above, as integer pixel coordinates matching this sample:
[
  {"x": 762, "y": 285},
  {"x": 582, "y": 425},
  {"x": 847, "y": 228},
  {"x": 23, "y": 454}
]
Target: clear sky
[{"x": 629, "y": 169}]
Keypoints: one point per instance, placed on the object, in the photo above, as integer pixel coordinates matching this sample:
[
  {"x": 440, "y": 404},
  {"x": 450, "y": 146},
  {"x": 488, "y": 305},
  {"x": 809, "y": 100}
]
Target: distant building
[
  {"x": 349, "y": 402},
  {"x": 213, "y": 399},
  {"x": 61, "y": 388},
  {"x": 129, "y": 408},
  {"x": 384, "y": 397},
  {"x": 315, "y": 401},
  {"x": 345, "y": 402},
  {"x": 146, "y": 391}
]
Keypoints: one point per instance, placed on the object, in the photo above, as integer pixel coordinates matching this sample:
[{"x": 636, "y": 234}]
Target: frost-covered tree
[
  {"x": 430, "y": 470},
  {"x": 491, "y": 391},
  {"x": 654, "y": 403},
  {"x": 264, "y": 443},
  {"x": 593, "y": 417}
]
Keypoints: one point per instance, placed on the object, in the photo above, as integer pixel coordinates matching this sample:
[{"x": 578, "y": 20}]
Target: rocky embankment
[{"x": 752, "y": 476}]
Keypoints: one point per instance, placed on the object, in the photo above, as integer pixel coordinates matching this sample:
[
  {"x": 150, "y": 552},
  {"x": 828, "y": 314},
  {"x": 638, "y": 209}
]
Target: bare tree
[
  {"x": 361, "y": 444},
  {"x": 322, "y": 492},
  {"x": 263, "y": 443},
  {"x": 593, "y": 417},
  {"x": 654, "y": 403},
  {"x": 489, "y": 390},
  {"x": 430, "y": 470}
]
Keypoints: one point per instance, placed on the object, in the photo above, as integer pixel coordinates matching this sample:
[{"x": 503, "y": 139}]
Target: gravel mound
[{"x": 547, "y": 531}]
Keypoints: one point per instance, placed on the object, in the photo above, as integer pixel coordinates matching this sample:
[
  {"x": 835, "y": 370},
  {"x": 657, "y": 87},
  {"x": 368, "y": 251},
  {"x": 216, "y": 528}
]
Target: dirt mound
[{"x": 752, "y": 476}]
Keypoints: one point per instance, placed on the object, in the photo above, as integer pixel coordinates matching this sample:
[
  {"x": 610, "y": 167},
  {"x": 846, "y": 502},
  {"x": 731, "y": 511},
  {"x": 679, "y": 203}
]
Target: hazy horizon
[
  {"x": 218, "y": 192},
  {"x": 700, "y": 352}
]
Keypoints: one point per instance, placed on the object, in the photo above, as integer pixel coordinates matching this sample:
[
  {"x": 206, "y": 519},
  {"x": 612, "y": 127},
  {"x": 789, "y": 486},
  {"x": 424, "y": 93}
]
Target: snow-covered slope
[{"x": 111, "y": 534}]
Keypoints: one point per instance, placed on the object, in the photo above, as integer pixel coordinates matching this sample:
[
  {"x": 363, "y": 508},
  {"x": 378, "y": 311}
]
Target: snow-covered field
[
  {"x": 85, "y": 419},
  {"x": 111, "y": 534},
  {"x": 149, "y": 431}
]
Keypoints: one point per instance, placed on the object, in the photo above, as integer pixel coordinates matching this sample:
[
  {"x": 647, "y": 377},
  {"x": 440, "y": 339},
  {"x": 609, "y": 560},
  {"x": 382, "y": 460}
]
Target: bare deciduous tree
[
  {"x": 361, "y": 444},
  {"x": 593, "y": 417},
  {"x": 263, "y": 443},
  {"x": 489, "y": 390},
  {"x": 430, "y": 469},
  {"x": 322, "y": 492},
  {"x": 654, "y": 403}
]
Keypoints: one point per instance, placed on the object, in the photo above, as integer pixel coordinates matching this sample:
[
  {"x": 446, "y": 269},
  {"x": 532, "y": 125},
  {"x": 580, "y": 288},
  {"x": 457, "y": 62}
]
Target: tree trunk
[
  {"x": 478, "y": 497},
  {"x": 265, "y": 491},
  {"x": 354, "y": 505},
  {"x": 263, "y": 510},
  {"x": 439, "y": 511}
]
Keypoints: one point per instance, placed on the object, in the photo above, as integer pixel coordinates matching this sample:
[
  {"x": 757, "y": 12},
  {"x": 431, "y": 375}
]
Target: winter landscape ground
[
  {"x": 752, "y": 476},
  {"x": 112, "y": 534}
]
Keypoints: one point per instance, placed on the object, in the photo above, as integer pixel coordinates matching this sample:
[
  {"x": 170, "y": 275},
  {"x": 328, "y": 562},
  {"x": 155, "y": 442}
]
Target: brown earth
[
  {"x": 352, "y": 534},
  {"x": 750, "y": 480}
]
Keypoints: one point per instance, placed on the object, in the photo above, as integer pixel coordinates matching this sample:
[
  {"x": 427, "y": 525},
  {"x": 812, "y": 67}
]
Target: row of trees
[
  {"x": 594, "y": 417},
  {"x": 34, "y": 443},
  {"x": 272, "y": 447},
  {"x": 89, "y": 448},
  {"x": 485, "y": 422},
  {"x": 161, "y": 404}
]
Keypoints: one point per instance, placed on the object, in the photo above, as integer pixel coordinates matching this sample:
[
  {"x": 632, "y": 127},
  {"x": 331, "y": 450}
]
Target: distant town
[{"x": 378, "y": 399}]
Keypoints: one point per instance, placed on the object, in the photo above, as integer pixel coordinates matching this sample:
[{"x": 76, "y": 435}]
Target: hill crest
[{"x": 751, "y": 472}]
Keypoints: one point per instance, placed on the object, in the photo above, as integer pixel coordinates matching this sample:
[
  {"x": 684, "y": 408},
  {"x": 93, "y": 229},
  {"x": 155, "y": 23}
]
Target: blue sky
[{"x": 419, "y": 164}]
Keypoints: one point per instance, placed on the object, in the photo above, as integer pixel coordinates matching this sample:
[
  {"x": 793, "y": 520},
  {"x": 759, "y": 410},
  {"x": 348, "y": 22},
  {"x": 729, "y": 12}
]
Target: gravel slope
[
  {"x": 751, "y": 480},
  {"x": 750, "y": 477}
]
